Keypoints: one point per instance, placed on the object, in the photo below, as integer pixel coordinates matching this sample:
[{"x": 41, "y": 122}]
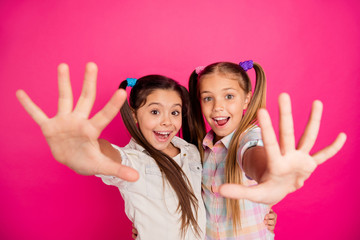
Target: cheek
[
  {"x": 205, "y": 109},
  {"x": 145, "y": 125},
  {"x": 141, "y": 127},
  {"x": 178, "y": 123},
  {"x": 237, "y": 112},
  {"x": 236, "y": 107}
]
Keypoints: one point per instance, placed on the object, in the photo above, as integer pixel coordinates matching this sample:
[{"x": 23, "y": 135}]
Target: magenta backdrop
[{"x": 309, "y": 49}]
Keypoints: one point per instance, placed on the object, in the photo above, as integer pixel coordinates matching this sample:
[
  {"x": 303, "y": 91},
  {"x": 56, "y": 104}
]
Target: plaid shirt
[{"x": 252, "y": 214}]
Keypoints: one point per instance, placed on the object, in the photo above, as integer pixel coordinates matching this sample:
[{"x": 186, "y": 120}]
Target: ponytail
[
  {"x": 233, "y": 173},
  {"x": 187, "y": 129},
  {"x": 197, "y": 119}
]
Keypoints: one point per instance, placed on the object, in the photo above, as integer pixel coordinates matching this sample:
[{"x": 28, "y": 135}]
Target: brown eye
[
  {"x": 155, "y": 112},
  {"x": 175, "y": 113},
  {"x": 229, "y": 96},
  {"x": 207, "y": 99}
]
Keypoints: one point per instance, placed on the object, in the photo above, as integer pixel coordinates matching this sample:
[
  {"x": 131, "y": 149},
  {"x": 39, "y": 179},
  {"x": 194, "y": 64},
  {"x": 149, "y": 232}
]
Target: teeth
[
  {"x": 163, "y": 133},
  {"x": 220, "y": 118}
]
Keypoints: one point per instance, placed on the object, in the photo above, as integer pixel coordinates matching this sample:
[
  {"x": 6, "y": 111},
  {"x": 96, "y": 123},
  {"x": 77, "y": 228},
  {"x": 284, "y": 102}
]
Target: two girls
[{"x": 173, "y": 208}]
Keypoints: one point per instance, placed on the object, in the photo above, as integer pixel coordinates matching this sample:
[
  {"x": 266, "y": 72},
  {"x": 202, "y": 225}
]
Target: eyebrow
[
  {"x": 224, "y": 89},
  {"x": 157, "y": 103}
]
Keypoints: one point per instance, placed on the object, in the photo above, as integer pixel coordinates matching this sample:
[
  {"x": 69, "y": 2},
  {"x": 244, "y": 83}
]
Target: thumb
[
  {"x": 255, "y": 193},
  {"x": 115, "y": 169},
  {"x": 110, "y": 110},
  {"x": 235, "y": 191}
]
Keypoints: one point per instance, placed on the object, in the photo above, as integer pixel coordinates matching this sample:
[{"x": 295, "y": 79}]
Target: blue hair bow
[{"x": 131, "y": 82}]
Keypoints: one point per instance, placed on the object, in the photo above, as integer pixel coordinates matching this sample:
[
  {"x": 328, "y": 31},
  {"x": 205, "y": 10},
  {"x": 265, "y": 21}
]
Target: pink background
[{"x": 309, "y": 49}]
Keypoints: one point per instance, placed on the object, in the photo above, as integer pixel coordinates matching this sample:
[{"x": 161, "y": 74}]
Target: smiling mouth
[
  {"x": 221, "y": 121},
  {"x": 162, "y": 135}
]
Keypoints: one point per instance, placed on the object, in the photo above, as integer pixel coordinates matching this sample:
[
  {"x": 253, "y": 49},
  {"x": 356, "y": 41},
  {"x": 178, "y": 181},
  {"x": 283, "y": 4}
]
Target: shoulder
[
  {"x": 253, "y": 130},
  {"x": 250, "y": 138},
  {"x": 252, "y": 133},
  {"x": 133, "y": 155},
  {"x": 132, "y": 147},
  {"x": 190, "y": 149},
  {"x": 181, "y": 143}
]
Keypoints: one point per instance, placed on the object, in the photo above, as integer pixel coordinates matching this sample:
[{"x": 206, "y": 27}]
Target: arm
[
  {"x": 287, "y": 166},
  {"x": 254, "y": 162},
  {"x": 71, "y": 135}
]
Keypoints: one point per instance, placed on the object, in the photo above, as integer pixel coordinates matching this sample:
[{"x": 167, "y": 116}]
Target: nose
[
  {"x": 218, "y": 106},
  {"x": 166, "y": 120}
]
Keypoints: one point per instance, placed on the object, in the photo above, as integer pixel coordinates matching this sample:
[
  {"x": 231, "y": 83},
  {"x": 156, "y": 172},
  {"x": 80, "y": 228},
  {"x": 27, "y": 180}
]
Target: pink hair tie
[{"x": 199, "y": 69}]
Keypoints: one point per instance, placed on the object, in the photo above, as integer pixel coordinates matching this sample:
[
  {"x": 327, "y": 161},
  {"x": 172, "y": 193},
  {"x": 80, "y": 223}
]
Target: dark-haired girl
[{"x": 157, "y": 173}]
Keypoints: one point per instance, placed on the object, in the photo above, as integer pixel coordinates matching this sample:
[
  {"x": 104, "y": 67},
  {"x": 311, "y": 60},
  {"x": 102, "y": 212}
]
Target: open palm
[
  {"x": 288, "y": 166},
  {"x": 71, "y": 135}
]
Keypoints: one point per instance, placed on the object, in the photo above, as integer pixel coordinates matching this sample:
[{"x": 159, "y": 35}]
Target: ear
[
  {"x": 134, "y": 115},
  {"x": 247, "y": 100}
]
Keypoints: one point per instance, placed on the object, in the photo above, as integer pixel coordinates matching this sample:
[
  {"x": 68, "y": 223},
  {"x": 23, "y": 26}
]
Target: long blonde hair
[{"x": 233, "y": 171}]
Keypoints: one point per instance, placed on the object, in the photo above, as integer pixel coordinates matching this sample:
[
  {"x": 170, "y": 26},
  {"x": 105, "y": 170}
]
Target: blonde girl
[{"x": 256, "y": 170}]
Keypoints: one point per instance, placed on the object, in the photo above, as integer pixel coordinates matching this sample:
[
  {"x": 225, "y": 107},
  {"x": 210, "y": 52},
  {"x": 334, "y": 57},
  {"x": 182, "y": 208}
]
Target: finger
[
  {"x": 269, "y": 138},
  {"x": 65, "y": 103},
  {"x": 31, "y": 108},
  {"x": 308, "y": 139},
  {"x": 111, "y": 109},
  {"x": 270, "y": 227},
  {"x": 271, "y": 216},
  {"x": 270, "y": 222},
  {"x": 88, "y": 93},
  {"x": 237, "y": 191},
  {"x": 329, "y": 151},
  {"x": 134, "y": 230},
  {"x": 258, "y": 193},
  {"x": 111, "y": 168},
  {"x": 286, "y": 126}
]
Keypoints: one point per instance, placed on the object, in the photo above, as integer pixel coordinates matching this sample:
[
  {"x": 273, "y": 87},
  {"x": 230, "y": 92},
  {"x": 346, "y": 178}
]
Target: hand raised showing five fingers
[
  {"x": 71, "y": 135},
  {"x": 288, "y": 166}
]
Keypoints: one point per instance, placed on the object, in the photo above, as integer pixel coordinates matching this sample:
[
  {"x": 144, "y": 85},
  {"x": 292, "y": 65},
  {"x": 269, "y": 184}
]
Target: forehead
[
  {"x": 217, "y": 82},
  {"x": 164, "y": 97}
]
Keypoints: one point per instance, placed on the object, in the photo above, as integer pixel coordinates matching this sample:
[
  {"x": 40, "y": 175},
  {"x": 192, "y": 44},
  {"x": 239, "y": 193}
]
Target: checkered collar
[{"x": 209, "y": 138}]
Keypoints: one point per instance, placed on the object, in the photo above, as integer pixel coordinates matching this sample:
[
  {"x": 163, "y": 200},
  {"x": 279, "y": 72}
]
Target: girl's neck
[
  {"x": 172, "y": 151},
  {"x": 216, "y": 139}
]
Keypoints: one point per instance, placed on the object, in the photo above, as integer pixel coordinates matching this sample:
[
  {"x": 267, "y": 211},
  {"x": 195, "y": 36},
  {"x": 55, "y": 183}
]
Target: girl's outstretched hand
[
  {"x": 71, "y": 135},
  {"x": 287, "y": 166}
]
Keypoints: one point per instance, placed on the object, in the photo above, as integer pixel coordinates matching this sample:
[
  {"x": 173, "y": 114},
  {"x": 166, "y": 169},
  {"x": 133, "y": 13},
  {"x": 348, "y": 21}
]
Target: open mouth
[
  {"x": 221, "y": 121},
  {"x": 162, "y": 135}
]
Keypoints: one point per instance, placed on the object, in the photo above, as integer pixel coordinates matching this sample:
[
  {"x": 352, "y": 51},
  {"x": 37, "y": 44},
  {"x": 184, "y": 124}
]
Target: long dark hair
[
  {"x": 258, "y": 100},
  {"x": 169, "y": 168}
]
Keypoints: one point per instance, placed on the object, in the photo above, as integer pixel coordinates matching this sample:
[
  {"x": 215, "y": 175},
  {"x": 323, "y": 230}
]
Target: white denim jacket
[{"x": 150, "y": 204}]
